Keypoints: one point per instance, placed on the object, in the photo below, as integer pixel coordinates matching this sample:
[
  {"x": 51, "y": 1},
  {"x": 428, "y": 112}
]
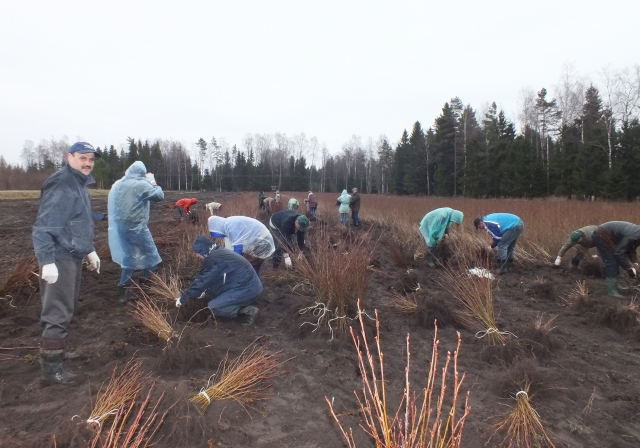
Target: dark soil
[{"x": 592, "y": 351}]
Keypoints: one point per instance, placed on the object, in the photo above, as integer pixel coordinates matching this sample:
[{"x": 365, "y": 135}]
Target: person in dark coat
[
  {"x": 62, "y": 238},
  {"x": 582, "y": 239},
  {"x": 230, "y": 279},
  {"x": 617, "y": 242},
  {"x": 312, "y": 204},
  {"x": 355, "y": 207},
  {"x": 284, "y": 225}
]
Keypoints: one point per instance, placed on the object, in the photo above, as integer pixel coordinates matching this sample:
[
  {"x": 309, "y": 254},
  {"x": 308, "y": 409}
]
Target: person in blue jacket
[
  {"x": 245, "y": 236},
  {"x": 228, "y": 277},
  {"x": 130, "y": 240},
  {"x": 434, "y": 226},
  {"x": 505, "y": 229}
]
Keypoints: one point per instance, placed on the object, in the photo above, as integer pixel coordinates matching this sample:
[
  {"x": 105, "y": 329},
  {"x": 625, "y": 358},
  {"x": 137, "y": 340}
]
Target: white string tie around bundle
[
  {"x": 492, "y": 330},
  {"x": 99, "y": 419}
]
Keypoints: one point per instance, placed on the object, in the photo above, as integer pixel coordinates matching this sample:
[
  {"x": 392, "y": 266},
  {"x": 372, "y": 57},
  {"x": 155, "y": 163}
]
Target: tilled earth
[{"x": 583, "y": 374}]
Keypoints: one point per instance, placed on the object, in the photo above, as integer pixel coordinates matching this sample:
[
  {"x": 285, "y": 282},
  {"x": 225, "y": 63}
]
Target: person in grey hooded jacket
[
  {"x": 130, "y": 240},
  {"x": 617, "y": 242},
  {"x": 230, "y": 279},
  {"x": 62, "y": 238}
]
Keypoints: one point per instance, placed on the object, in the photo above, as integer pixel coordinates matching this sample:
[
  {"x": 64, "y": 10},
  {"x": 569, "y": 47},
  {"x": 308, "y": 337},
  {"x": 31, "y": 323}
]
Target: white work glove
[
  {"x": 151, "y": 178},
  {"x": 178, "y": 303},
  {"x": 94, "y": 261},
  {"x": 300, "y": 256},
  {"x": 489, "y": 248},
  {"x": 50, "y": 273},
  {"x": 558, "y": 261},
  {"x": 287, "y": 261},
  {"x": 632, "y": 272}
]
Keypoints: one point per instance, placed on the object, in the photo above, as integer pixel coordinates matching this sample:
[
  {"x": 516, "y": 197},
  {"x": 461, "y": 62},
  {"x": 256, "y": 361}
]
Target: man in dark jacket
[
  {"x": 355, "y": 207},
  {"x": 230, "y": 279},
  {"x": 617, "y": 242},
  {"x": 582, "y": 239},
  {"x": 284, "y": 225},
  {"x": 62, "y": 238}
]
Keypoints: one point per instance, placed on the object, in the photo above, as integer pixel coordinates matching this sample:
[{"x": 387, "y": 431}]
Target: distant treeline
[{"x": 576, "y": 145}]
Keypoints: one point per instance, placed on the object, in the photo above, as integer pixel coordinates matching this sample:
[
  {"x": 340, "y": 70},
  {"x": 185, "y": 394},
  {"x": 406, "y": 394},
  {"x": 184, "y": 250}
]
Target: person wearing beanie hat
[
  {"x": 228, "y": 277},
  {"x": 284, "y": 225},
  {"x": 434, "y": 226},
  {"x": 245, "y": 236},
  {"x": 505, "y": 229},
  {"x": 583, "y": 239}
]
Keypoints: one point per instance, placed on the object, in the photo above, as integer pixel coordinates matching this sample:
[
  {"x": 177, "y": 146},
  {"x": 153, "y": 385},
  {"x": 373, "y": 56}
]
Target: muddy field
[{"x": 583, "y": 374}]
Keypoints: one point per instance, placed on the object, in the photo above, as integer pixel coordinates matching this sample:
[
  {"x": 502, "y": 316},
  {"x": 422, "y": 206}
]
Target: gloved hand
[
  {"x": 558, "y": 261},
  {"x": 151, "y": 178},
  {"x": 50, "y": 273},
  {"x": 94, "y": 261},
  {"x": 489, "y": 248},
  {"x": 178, "y": 302},
  {"x": 632, "y": 272},
  {"x": 300, "y": 256}
]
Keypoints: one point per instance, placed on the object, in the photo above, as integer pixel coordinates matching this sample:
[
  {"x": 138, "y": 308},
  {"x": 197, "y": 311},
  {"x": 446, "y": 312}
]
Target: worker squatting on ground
[
  {"x": 228, "y": 277},
  {"x": 505, "y": 229},
  {"x": 343, "y": 201},
  {"x": 130, "y": 240},
  {"x": 434, "y": 226},
  {"x": 213, "y": 207},
  {"x": 617, "y": 242},
  {"x": 62, "y": 237},
  {"x": 245, "y": 236},
  {"x": 184, "y": 207},
  {"x": 355, "y": 207},
  {"x": 284, "y": 225},
  {"x": 293, "y": 204},
  {"x": 583, "y": 239},
  {"x": 269, "y": 205},
  {"x": 311, "y": 203}
]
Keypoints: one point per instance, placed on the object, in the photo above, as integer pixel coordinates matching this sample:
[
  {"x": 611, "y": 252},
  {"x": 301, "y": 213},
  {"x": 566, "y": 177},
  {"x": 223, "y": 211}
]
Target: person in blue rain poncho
[
  {"x": 228, "y": 277},
  {"x": 434, "y": 226},
  {"x": 245, "y": 236},
  {"x": 130, "y": 240},
  {"x": 344, "y": 200}
]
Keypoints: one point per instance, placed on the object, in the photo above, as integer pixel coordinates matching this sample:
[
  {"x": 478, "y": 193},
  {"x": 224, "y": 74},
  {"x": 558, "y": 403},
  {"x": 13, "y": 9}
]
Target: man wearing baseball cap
[
  {"x": 283, "y": 226},
  {"x": 62, "y": 238}
]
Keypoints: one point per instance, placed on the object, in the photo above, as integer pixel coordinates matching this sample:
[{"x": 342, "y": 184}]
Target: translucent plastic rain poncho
[
  {"x": 130, "y": 241},
  {"x": 243, "y": 235},
  {"x": 345, "y": 199},
  {"x": 435, "y": 223}
]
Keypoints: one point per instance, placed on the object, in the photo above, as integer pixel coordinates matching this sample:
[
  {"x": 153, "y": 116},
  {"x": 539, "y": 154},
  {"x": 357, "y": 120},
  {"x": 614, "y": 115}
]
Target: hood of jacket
[
  {"x": 136, "y": 171},
  {"x": 216, "y": 226},
  {"x": 202, "y": 245}
]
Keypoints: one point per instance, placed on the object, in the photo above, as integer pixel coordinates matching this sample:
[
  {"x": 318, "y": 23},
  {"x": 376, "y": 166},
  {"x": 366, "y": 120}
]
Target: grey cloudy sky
[{"x": 182, "y": 70}]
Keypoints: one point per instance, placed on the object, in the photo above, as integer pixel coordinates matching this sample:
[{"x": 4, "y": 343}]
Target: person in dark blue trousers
[
  {"x": 228, "y": 277},
  {"x": 505, "y": 229}
]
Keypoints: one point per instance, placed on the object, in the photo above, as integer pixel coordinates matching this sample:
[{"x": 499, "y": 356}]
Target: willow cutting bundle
[
  {"x": 140, "y": 433},
  {"x": 147, "y": 313},
  {"x": 476, "y": 294},
  {"x": 523, "y": 426},
  {"x": 417, "y": 423},
  {"x": 241, "y": 379},
  {"x": 165, "y": 288},
  {"x": 403, "y": 304},
  {"x": 123, "y": 388}
]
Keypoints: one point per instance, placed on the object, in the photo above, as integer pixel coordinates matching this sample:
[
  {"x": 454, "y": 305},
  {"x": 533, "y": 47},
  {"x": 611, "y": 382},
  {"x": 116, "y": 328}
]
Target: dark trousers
[
  {"x": 182, "y": 211},
  {"x": 60, "y": 299},
  {"x": 281, "y": 243},
  {"x": 611, "y": 265},
  {"x": 355, "y": 217}
]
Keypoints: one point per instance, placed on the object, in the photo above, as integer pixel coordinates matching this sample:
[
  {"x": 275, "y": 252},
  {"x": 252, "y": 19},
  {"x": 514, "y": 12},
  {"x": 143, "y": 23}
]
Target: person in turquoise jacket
[
  {"x": 344, "y": 200},
  {"x": 434, "y": 226},
  {"x": 505, "y": 229}
]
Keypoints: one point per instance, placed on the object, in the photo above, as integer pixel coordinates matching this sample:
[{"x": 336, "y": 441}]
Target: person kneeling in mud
[{"x": 230, "y": 279}]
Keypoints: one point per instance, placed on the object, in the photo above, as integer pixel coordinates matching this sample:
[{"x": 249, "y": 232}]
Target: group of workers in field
[
  {"x": 615, "y": 241},
  {"x": 232, "y": 254}
]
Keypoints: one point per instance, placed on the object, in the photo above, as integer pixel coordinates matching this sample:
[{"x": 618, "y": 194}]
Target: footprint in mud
[{"x": 24, "y": 321}]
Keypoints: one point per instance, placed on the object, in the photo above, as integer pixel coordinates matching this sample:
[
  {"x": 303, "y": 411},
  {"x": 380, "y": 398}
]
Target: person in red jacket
[{"x": 184, "y": 206}]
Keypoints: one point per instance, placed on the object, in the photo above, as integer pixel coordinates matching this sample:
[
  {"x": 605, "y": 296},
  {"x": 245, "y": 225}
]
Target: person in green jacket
[
  {"x": 434, "y": 226},
  {"x": 344, "y": 200},
  {"x": 582, "y": 239}
]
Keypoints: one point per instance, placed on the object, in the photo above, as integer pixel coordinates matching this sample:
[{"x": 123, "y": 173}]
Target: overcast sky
[{"x": 330, "y": 69}]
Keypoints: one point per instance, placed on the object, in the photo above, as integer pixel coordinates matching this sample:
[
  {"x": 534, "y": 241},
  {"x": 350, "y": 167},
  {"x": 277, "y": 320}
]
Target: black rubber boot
[
  {"x": 574, "y": 263},
  {"x": 431, "y": 260},
  {"x": 510, "y": 265},
  {"x": 52, "y": 371},
  {"x": 251, "y": 312},
  {"x": 124, "y": 294},
  {"x": 501, "y": 267}
]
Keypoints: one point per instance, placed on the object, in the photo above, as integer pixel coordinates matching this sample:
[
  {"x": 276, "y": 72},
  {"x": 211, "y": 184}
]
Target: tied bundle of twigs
[
  {"x": 140, "y": 432},
  {"x": 523, "y": 425},
  {"x": 476, "y": 294},
  {"x": 416, "y": 422},
  {"x": 165, "y": 288},
  {"x": 241, "y": 379},
  {"x": 123, "y": 387},
  {"x": 406, "y": 305},
  {"x": 154, "y": 317}
]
